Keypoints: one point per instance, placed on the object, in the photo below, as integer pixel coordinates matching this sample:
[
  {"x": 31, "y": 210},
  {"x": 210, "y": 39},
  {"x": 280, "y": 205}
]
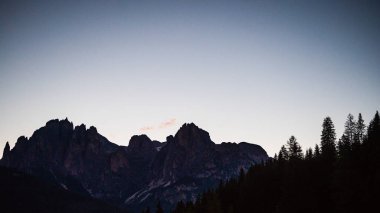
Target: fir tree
[
  {"x": 360, "y": 129},
  {"x": 309, "y": 154},
  {"x": 275, "y": 157},
  {"x": 317, "y": 151},
  {"x": 294, "y": 149},
  {"x": 283, "y": 155},
  {"x": 328, "y": 140},
  {"x": 344, "y": 146},
  {"x": 373, "y": 128},
  {"x": 350, "y": 128}
]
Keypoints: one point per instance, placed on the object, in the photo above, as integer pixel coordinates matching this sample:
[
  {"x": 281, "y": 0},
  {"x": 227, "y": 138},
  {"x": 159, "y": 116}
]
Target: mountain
[{"x": 81, "y": 160}]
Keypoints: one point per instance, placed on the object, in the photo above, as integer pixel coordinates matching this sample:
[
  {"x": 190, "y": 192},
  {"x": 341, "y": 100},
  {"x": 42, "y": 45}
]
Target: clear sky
[{"x": 256, "y": 71}]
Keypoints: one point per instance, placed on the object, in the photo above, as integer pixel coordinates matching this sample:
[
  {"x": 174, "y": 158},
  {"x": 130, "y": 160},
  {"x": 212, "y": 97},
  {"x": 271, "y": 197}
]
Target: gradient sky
[{"x": 256, "y": 71}]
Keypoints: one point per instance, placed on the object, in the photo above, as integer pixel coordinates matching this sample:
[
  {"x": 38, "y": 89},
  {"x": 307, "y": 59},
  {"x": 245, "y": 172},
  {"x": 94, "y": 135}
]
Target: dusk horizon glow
[{"x": 253, "y": 71}]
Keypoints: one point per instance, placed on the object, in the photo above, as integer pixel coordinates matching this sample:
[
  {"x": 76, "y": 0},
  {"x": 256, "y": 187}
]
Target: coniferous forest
[{"x": 338, "y": 175}]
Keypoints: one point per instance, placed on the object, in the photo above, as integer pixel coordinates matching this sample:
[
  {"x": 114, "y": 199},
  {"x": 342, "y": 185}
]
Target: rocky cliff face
[{"x": 137, "y": 176}]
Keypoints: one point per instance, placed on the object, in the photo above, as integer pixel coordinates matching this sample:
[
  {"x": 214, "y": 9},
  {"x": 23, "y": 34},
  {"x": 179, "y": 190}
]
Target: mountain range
[{"x": 134, "y": 177}]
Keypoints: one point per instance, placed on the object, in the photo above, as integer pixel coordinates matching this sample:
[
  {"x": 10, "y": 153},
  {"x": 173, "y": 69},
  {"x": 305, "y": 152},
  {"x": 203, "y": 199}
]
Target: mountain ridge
[{"x": 133, "y": 176}]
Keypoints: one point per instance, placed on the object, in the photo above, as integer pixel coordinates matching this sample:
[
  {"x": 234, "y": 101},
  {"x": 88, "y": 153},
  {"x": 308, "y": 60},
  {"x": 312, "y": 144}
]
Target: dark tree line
[
  {"x": 159, "y": 209},
  {"x": 336, "y": 176}
]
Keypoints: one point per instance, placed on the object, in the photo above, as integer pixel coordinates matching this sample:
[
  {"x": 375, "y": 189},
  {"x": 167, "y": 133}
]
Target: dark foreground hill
[{"x": 135, "y": 177}]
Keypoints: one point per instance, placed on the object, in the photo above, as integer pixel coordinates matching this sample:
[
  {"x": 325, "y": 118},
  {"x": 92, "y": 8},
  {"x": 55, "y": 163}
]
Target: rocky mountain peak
[
  {"x": 190, "y": 135},
  {"x": 21, "y": 140},
  {"x": 52, "y": 123},
  {"x": 92, "y": 129},
  {"x": 7, "y": 149},
  {"x": 140, "y": 142},
  {"x": 170, "y": 139},
  {"x": 80, "y": 128}
]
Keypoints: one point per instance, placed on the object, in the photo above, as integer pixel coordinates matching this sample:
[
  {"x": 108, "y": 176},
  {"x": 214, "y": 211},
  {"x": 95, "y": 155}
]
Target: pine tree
[
  {"x": 283, "y": 155},
  {"x": 373, "y": 128},
  {"x": 328, "y": 140},
  {"x": 360, "y": 129},
  {"x": 294, "y": 149},
  {"x": 350, "y": 128},
  {"x": 373, "y": 141},
  {"x": 373, "y": 158},
  {"x": 344, "y": 146},
  {"x": 317, "y": 151},
  {"x": 309, "y": 154},
  {"x": 326, "y": 165}
]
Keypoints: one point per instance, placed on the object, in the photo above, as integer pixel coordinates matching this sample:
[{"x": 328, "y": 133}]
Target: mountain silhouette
[{"x": 133, "y": 177}]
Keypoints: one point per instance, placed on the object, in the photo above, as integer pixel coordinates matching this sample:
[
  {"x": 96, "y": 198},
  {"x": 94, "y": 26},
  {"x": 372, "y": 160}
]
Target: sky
[{"x": 255, "y": 71}]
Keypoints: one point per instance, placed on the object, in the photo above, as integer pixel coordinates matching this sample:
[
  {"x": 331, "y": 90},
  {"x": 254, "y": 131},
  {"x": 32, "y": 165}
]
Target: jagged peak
[
  {"x": 7, "y": 149},
  {"x": 170, "y": 139},
  {"x": 81, "y": 127},
  {"x": 56, "y": 120},
  {"x": 191, "y": 134},
  {"x": 52, "y": 121},
  {"x": 189, "y": 126},
  {"x": 140, "y": 142},
  {"x": 21, "y": 139},
  {"x": 59, "y": 123},
  {"x": 93, "y": 129},
  {"x": 141, "y": 137}
]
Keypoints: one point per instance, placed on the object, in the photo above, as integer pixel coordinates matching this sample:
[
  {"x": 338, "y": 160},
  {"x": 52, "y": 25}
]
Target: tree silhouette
[
  {"x": 309, "y": 154},
  {"x": 360, "y": 129},
  {"x": 294, "y": 149},
  {"x": 344, "y": 146},
  {"x": 283, "y": 155},
  {"x": 328, "y": 140},
  {"x": 317, "y": 151},
  {"x": 373, "y": 128},
  {"x": 350, "y": 128}
]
